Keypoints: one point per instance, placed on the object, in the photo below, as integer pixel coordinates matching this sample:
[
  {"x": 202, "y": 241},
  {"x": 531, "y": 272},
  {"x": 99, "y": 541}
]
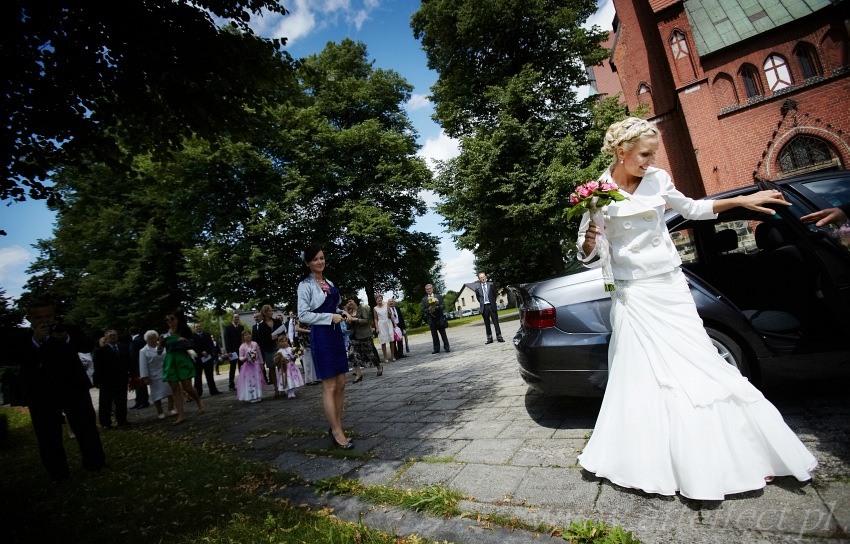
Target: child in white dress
[{"x": 289, "y": 377}]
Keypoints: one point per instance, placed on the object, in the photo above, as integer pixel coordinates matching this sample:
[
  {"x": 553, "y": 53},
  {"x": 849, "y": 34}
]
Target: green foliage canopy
[
  {"x": 89, "y": 83},
  {"x": 508, "y": 74}
]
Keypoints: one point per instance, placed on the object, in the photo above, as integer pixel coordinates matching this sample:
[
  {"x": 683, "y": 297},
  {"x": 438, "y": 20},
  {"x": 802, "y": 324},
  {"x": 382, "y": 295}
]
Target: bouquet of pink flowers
[
  {"x": 592, "y": 197},
  {"x": 593, "y": 194}
]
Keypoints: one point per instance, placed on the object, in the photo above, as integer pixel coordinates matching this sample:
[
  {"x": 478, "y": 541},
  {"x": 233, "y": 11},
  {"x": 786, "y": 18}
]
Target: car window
[
  {"x": 684, "y": 241},
  {"x": 840, "y": 233},
  {"x": 743, "y": 241},
  {"x": 834, "y": 191}
]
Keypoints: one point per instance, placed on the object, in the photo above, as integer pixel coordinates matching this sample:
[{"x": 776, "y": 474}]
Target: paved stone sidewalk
[{"x": 466, "y": 420}]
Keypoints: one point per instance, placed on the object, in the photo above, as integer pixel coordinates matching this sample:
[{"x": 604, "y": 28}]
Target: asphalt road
[{"x": 466, "y": 420}]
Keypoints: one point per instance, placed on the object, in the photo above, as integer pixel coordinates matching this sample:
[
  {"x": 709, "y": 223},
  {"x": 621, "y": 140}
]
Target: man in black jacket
[
  {"x": 53, "y": 380},
  {"x": 205, "y": 349},
  {"x": 486, "y": 293},
  {"x": 232, "y": 340},
  {"x": 111, "y": 377},
  {"x": 432, "y": 307}
]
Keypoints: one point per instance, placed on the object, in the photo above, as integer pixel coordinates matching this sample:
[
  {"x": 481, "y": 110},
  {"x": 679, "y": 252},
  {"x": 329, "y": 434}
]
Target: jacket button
[
  {"x": 634, "y": 247},
  {"x": 648, "y": 217},
  {"x": 627, "y": 224},
  {"x": 656, "y": 241}
]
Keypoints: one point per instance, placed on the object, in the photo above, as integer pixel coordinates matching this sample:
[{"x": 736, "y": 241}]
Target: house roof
[
  {"x": 720, "y": 23},
  {"x": 658, "y": 5}
]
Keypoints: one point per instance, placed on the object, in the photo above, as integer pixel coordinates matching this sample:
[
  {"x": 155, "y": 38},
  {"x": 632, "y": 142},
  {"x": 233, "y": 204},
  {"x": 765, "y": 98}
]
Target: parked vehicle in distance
[
  {"x": 451, "y": 315},
  {"x": 773, "y": 294},
  {"x": 476, "y": 310},
  {"x": 466, "y": 313}
]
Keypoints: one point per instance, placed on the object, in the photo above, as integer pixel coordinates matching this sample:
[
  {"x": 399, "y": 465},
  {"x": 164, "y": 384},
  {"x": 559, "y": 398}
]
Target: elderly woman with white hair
[
  {"x": 676, "y": 417},
  {"x": 150, "y": 371}
]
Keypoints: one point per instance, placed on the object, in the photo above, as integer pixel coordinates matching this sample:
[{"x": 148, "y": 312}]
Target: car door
[{"x": 828, "y": 246}]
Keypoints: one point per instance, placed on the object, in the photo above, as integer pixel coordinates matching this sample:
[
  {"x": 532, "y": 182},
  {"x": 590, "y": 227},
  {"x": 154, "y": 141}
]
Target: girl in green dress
[{"x": 178, "y": 368}]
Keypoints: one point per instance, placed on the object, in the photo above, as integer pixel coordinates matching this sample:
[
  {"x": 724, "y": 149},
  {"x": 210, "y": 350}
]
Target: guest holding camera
[{"x": 53, "y": 381}]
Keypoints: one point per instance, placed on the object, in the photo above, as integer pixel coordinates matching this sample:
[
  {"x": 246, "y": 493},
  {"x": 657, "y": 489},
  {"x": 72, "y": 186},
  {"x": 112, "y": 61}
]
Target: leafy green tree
[
  {"x": 354, "y": 174},
  {"x": 99, "y": 83},
  {"x": 526, "y": 140},
  {"x": 449, "y": 300}
]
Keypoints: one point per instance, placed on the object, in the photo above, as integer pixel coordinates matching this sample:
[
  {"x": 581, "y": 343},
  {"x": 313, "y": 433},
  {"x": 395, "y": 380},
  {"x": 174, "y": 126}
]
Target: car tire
[{"x": 730, "y": 350}]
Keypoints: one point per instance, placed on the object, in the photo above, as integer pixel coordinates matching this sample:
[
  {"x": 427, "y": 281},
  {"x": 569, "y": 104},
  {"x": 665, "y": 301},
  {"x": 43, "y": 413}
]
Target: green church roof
[{"x": 720, "y": 23}]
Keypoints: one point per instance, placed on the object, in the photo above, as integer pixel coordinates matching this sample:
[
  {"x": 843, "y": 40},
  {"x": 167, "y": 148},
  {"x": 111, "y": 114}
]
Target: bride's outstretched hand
[{"x": 757, "y": 201}]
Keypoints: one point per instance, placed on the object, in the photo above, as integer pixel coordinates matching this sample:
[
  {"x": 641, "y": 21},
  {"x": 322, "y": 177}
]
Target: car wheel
[{"x": 729, "y": 350}]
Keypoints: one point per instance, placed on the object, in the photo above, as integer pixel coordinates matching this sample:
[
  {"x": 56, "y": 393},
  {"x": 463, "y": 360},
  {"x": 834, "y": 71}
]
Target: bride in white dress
[{"x": 675, "y": 416}]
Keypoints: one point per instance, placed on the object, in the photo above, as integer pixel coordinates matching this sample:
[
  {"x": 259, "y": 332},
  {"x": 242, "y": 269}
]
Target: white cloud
[
  {"x": 12, "y": 258},
  {"x": 441, "y": 148},
  {"x": 297, "y": 23},
  {"x": 14, "y": 261},
  {"x": 459, "y": 267},
  {"x": 418, "y": 102},
  {"x": 603, "y": 17},
  {"x": 305, "y": 17}
]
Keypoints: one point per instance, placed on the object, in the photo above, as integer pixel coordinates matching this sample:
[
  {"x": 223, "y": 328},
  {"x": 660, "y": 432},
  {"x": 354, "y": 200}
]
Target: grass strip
[{"x": 157, "y": 489}]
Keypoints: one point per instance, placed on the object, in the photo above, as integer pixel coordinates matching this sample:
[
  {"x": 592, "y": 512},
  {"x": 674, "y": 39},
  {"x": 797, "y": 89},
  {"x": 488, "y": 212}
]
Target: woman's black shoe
[
  {"x": 359, "y": 378},
  {"x": 337, "y": 445}
]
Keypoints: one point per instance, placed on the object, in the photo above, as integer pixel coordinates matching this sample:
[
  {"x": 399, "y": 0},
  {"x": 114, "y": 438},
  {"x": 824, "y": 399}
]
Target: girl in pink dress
[
  {"x": 249, "y": 383},
  {"x": 289, "y": 377}
]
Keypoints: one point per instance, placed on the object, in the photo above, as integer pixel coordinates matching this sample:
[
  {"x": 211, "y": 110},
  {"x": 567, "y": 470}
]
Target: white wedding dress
[{"x": 676, "y": 416}]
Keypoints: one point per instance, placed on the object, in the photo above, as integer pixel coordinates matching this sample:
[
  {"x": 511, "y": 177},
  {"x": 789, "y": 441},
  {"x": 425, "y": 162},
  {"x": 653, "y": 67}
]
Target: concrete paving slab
[
  {"x": 547, "y": 453},
  {"x": 556, "y": 487},
  {"x": 489, "y": 451},
  {"x": 421, "y": 474},
  {"x": 502, "y": 482}
]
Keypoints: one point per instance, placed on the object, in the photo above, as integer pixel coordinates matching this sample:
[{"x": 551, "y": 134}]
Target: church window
[{"x": 776, "y": 70}]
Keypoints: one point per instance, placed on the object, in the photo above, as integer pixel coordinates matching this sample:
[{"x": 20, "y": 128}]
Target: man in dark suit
[
  {"x": 204, "y": 363},
  {"x": 432, "y": 307},
  {"x": 111, "y": 377},
  {"x": 486, "y": 293},
  {"x": 232, "y": 340},
  {"x": 137, "y": 342},
  {"x": 52, "y": 380}
]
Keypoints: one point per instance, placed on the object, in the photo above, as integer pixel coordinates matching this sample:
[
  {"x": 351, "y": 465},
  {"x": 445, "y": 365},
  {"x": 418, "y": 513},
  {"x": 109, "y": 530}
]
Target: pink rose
[
  {"x": 592, "y": 186},
  {"x": 574, "y": 199},
  {"x": 583, "y": 191},
  {"x": 609, "y": 186}
]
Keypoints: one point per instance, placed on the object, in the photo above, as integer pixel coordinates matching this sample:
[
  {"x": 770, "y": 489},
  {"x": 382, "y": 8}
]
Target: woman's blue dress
[{"x": 327, "y": 344}]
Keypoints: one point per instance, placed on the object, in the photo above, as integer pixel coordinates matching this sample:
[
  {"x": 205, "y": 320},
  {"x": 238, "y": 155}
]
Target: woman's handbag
[{"x": 397, "y": 334}]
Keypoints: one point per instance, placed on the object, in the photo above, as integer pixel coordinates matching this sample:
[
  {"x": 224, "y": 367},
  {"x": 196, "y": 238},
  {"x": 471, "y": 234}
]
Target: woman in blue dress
[{"x": 318, "y": 305}]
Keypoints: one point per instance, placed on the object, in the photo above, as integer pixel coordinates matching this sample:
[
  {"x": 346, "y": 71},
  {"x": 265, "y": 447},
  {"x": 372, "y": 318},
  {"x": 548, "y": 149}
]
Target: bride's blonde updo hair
[{"x": 626, "y": 134}]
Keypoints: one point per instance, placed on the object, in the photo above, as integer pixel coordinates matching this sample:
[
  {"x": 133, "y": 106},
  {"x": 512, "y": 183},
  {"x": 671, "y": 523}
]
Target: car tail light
[{"x": 537, "y": 314}]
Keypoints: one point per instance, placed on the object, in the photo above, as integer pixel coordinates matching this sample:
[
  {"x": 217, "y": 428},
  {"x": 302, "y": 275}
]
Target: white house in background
[{"x": 466, "y": 299}]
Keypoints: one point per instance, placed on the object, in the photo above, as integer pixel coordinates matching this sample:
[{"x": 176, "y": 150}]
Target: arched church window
[
  {"x": 808, "y": 60},
  {"x": 804, "y": 152},
  {"x": 752, "y": 81},
  {"x": 778, "y": 75},
  {"x": 679, "y": 45}
]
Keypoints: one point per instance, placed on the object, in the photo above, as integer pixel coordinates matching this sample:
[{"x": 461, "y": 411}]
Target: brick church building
[{"x": 741, "y": 89}]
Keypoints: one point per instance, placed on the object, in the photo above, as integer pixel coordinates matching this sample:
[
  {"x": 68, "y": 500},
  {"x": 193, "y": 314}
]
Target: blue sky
[{"x": 384, "y": 26}]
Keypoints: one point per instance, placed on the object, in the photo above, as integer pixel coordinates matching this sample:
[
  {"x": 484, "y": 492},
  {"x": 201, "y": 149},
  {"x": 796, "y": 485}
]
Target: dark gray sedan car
[{"x": 773, "y": 293}]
